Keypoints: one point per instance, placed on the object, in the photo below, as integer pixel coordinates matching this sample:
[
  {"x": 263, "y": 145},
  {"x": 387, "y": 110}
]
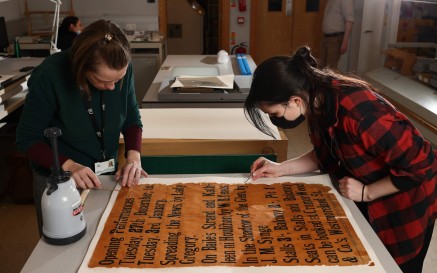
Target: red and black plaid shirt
[{"x": 368, "y": 139}]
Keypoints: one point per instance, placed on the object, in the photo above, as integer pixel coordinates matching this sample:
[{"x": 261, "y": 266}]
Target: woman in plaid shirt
[{"x": 380, "y": 159}]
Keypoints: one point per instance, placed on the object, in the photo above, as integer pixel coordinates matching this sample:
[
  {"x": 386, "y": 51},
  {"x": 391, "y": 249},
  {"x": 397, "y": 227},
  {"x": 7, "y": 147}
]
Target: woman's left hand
[
  {"x": 352, "y": 189},
  {"x": 129, "y": 175}
]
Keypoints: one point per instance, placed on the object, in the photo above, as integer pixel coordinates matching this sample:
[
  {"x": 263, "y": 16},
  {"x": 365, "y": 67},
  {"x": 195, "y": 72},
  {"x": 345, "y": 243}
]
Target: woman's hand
[
  {"x": 129, "y": 175},
  {"x": 357, "y": 191},
  {"x": 84, "y": 177},
  {"x": 262, "y": 167},
  {"x": 353, "y": 189}
]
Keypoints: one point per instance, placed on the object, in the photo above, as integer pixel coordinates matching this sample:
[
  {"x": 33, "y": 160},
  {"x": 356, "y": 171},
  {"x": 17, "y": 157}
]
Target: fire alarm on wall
[
  {"x": 240, "y": 20},
  {"x": 242, "y": 5}
]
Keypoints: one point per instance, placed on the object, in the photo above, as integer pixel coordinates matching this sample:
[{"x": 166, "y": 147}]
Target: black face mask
[{"x": 287, "y": 124}]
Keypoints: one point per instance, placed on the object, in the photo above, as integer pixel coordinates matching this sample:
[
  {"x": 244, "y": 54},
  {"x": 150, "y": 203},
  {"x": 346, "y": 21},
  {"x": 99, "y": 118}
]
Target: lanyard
[{"x": 99, "y": 131}]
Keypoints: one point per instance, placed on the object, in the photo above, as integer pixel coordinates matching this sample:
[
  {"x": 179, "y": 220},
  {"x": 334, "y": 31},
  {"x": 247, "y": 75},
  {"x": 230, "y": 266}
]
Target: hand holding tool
[{"x": 251, "y": 174}]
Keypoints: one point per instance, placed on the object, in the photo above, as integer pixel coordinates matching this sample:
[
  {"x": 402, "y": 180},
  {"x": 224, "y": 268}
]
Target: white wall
[
  {"x": 116, "y": 7},
  {"x": 11, "y": 10},
  {"x": 191, "y": 42},
  {"x": 242, "y": 31},
  {"x": 138, "y": 12},
  {"x": 350, "y": 61},
  {"x": 386, "y": 33}
]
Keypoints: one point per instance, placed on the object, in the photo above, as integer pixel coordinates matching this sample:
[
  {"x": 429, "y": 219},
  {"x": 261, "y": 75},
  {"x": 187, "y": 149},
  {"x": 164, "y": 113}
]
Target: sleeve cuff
[
  {"x": 42, "y": 154},
  {"x": 403, "y": 183},
  {"x": 132, "y": 139}
]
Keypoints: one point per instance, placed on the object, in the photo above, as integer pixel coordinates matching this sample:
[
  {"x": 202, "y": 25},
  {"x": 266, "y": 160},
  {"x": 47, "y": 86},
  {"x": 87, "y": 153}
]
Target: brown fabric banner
[{"x": 211, "y": 224}]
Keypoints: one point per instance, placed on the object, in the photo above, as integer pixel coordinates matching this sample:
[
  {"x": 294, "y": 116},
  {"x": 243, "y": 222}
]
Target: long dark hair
[
  {"x": 64, "y": 28},
  {"x": 102, "y": 42},
  {"x": 278, "y": 78}
]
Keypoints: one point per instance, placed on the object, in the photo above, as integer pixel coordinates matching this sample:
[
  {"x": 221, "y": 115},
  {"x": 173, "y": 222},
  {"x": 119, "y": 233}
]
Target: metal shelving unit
[{"x": 47, "y": 14}]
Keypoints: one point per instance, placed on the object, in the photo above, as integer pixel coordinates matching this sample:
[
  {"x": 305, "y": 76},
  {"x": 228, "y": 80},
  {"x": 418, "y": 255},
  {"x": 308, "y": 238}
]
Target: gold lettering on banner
[{"x": 212, "y": 224}]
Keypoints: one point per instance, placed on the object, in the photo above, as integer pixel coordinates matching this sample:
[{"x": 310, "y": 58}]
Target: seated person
[{"x": 68, "y": 31}]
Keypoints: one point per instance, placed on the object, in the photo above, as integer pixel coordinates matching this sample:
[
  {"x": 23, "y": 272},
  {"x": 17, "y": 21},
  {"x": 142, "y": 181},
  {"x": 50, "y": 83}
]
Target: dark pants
[{"x": 330, "y": 51}]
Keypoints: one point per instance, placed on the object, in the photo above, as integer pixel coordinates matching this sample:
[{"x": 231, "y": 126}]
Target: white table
[
  {"x": 200, "y": 131},
  {"x": 14, "y": 90},
  {"x": 151, "y": 100},
  {"x": 58, "y": 259},
  {"x": 413, "y": 98},
  {"x": 158, "y": 47}
]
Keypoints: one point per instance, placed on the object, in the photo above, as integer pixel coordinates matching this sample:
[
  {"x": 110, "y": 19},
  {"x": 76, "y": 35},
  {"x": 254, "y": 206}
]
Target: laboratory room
[{"x": 219, "y": 135}]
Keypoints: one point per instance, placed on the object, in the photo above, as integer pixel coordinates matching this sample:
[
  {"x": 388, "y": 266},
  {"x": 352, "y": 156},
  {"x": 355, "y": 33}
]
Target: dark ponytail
[
  {"x": 303, "y": 58},
  {"x": 318, "y": 82}
]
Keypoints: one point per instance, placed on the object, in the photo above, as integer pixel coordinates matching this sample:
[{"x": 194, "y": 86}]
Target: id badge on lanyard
[{"x": 104, "y": 166}]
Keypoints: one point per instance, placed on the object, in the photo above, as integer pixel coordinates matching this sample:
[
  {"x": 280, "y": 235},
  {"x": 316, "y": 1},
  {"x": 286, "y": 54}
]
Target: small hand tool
[{"x": 251, "y": 174}]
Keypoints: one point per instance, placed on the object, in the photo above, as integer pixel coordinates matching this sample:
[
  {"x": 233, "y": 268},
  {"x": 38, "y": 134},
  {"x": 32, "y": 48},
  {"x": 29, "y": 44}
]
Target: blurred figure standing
[{"x": 337, "y": 27}]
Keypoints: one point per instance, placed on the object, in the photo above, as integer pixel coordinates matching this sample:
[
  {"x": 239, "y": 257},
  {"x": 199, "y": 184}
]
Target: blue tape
[
  {"x": 241, "y": 65},
  {"x": 246, "y": 65}
]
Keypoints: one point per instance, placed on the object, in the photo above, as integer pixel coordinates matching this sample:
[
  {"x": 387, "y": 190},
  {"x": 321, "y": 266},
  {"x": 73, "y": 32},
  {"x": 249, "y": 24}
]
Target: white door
[{"x": 371, "y": 54}]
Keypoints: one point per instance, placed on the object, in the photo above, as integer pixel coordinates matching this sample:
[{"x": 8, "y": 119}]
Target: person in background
[
  {"x": 337, "y": 27},
  {"x": 379, "y": 158},
  {"x": 69, "y": 29},
  {"x": 88, "y": 92}
]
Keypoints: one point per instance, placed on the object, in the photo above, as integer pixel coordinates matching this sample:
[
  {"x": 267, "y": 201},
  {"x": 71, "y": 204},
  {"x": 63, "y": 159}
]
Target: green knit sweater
[{"x": 54, "y": 100}]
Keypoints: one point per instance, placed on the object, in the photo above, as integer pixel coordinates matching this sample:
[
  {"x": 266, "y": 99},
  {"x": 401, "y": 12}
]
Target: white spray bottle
[{"x": 63, "y": 220}]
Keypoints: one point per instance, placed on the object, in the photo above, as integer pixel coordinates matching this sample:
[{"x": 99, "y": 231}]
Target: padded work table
[
  {"x": 47, "y": 258},
  {"x": 201, "y": 131}
]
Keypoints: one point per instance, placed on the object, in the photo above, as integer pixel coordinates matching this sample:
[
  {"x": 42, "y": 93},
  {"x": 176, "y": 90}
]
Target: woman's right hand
[
  {"x": 84, "y": 177},
  {"x": 262, "y": 167}
]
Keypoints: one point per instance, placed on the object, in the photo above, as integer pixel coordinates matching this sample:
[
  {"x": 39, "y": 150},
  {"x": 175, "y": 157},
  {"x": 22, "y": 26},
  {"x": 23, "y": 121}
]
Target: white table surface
[
  {"x": 419, "y": 98},
  {"x": 160, "y": 46},
  {"x": 47, "y": 258},
  {"x": 16, "y": 96},
  {"x": 151, "y": 97},
  {"x": 12, "y": 66},
  {"x": 201, "y": 123}
]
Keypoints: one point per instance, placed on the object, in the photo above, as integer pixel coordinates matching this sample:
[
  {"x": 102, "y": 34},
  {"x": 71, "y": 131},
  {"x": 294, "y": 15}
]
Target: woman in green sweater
[{"x": 88, "y": 92}]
